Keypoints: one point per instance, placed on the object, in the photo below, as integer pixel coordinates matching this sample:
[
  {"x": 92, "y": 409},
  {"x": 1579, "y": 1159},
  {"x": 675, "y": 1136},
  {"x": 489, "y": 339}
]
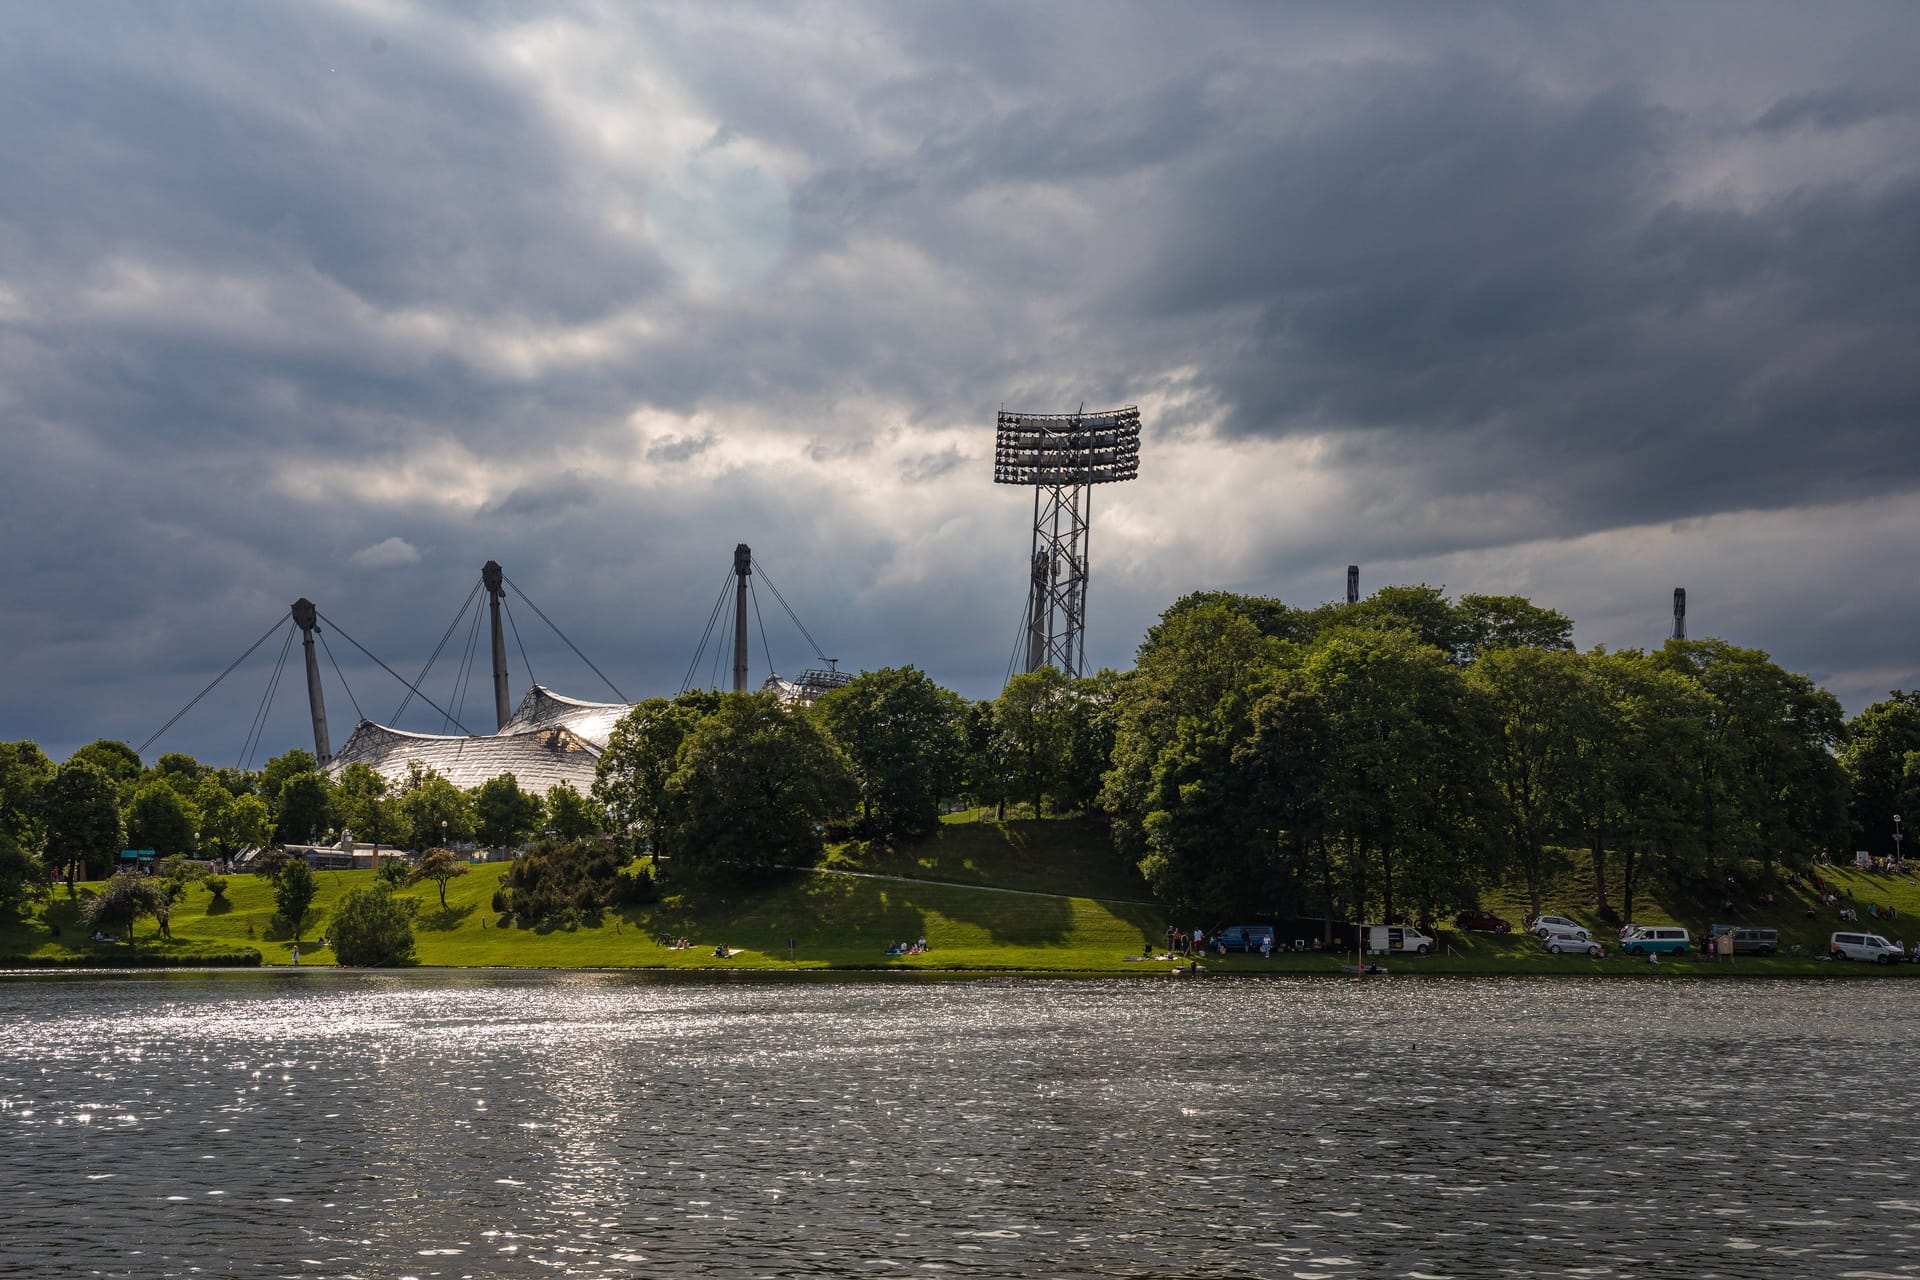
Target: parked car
[
  {"x": 1481, "y": 922},
  {"x": 1656, "y": 940},
  {"x": 1246, "y": 937},
  {"x": 1862, "y": 946},
  {"x": 1395, "y": 937},
  {"x": 1562, "y": 944},
  {"x": 1541, "y": 926},
  {"x": 1737, "y": 940}
]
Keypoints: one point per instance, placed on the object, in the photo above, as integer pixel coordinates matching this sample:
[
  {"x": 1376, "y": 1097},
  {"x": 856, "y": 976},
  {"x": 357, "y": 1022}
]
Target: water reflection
[{"x": 433, "y": 1124}]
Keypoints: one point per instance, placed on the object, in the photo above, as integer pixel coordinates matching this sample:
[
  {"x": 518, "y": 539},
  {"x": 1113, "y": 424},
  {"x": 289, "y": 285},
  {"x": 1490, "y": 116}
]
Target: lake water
[{"x": 457, "y": 1124}]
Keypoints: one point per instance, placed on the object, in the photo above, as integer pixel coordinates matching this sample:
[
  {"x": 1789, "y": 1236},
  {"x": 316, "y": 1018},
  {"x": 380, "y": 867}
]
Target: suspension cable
[
  {"x": 422, "y": 677},
  {"x": 700, "y": 649},
  {"x": 516, "y": 638},
  {"x": 771, "y": 586},
  {"x": 390, "y": 671},
  {"x": 755, "y": 597},
  {"x": 463, "y": 678},
  {"x": 283, "y": 620},
  {"x": 563, "y": 635},
  {"x": 258, "y": 729},
  {"x": 358, "y": 714},
  {"x": 720, "y": 650}
]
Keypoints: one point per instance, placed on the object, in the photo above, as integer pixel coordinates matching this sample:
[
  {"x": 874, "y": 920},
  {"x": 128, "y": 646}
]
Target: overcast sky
[{"x": 1583, "y": 302}]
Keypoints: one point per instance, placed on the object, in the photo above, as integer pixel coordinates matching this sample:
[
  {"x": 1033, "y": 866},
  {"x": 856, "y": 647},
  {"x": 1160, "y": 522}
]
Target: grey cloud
[
  {"x": 676, "y": 449},
  {"x": 1832, "y": 109}
]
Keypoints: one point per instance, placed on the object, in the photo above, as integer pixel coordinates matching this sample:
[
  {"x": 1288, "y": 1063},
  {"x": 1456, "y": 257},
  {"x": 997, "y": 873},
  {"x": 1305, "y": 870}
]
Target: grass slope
[{"x": 1082, "y": 911}]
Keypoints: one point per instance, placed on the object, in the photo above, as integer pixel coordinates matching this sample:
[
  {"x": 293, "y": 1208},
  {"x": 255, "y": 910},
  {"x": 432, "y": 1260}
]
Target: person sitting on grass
[{"x": 720, "y": 952}]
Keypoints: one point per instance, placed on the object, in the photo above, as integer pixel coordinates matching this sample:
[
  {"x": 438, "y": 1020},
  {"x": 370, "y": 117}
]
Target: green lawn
[{"x": 1083, "y": 912}]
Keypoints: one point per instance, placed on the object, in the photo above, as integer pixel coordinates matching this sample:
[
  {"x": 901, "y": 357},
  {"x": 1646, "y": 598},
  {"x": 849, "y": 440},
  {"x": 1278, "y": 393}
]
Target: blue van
[
  {"x": 1246, "y": 937},
  {"x": 1656, "y": 940}
]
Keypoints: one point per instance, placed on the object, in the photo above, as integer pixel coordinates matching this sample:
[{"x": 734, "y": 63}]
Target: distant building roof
[
  {"x": 542, "y": 708},
  {"x": 538, "y": 758}
]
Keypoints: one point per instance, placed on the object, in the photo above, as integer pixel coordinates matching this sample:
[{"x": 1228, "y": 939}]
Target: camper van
[{"x": 1402, "y": 938}]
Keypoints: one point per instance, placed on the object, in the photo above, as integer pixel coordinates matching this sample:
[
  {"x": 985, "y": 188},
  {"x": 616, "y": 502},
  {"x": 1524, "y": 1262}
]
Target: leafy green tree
[
  {"x": 1203, "y": 648},
  {"x": 180, "y": 771},
  {"x": 83, "y": 818},
  {"x": 159, "y": 821},
  {"x": 230, "y": 823},
  {"x": 25, "y": 773},
  {"x": 1543, "y": 702},
  {"x": 1877, "y": 757},
  {"x": 439, "y": 866},
  {"x": 1092, "y": 725},
  {"x": 303, "y": 808},
  {"x": 987, "y": 775},
  {"x": 504, "y": 815},
  {"x": 23, "y": 877},
  {"x": 1406, "y": 749},
  {"x": 1493, "y": 623},
  {"x": 279, "y": 769},
  {"x": 904, "y": 737},
  {"x": 754, "y": 787},
  {"x": 434, "y": 808},
  {"x": 117, "y": 908},
  {"x": 572, "y": 816},
  {"x": 372, "y": 927},
  {"x": 120, "y": 762},
  {"x": 1652, "y": 816},
  {"x": 642, "y": 754},
  {"x": 1033, "y": 717},
  {"x": 293, "y": 893},
  {"x": 1288, "y": 781},
  {"x": 366, "y": 805}
]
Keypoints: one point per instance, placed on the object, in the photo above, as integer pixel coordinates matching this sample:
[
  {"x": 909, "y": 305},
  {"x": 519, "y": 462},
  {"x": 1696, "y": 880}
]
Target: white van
[
  {"x": 1403, "y": 938},
  {"x": 1863, "y": 946}
]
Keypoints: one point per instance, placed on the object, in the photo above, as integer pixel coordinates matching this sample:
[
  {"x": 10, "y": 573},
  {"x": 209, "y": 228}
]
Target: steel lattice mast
[{"x": 1062, "y": 456}]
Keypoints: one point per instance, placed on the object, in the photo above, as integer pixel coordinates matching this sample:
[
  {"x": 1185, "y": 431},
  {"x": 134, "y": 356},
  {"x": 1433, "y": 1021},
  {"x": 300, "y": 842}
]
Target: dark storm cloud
[{"x": 288, "y": 287}]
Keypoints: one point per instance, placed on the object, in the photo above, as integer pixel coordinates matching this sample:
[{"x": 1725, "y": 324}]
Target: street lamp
[{"x": 1896, "y": 837}]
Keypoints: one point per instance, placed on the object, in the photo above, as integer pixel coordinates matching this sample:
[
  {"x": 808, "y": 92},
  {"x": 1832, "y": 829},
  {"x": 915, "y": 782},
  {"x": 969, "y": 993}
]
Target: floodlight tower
[
  {"x": 1679, "y": 613},
  {"x": 1353, "y": 584},
  {"x": 1062, "y": 456}
]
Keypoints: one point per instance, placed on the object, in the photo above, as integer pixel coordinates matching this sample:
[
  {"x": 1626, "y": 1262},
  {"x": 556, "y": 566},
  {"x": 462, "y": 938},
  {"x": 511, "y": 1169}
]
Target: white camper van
[{"x": 1402, "y": 938}]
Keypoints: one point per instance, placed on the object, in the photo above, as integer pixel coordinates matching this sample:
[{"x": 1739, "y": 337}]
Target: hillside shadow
[
  {"x": 218, "y": 906},
  {"x": 442, "y": 919}
]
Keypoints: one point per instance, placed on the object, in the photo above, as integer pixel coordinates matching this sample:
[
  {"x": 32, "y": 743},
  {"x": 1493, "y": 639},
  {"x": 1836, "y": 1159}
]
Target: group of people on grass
[{"x": 904, "y": 948}]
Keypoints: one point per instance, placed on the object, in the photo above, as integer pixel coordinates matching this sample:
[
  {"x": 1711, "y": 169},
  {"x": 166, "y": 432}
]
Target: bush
[
  {"x": 373, "y": 927},
  {"x": 556, "y": 881},
  {"x": 217, "y": 887}
]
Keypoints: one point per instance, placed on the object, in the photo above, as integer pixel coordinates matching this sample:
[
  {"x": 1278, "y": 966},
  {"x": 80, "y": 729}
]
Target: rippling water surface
[{"x": 434, "y": 1124}]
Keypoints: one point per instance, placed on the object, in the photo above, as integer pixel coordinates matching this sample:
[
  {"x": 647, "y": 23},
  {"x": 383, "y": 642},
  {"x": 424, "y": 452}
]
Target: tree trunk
[
  {"x": 1599, "y": 869},
  {"x": 1629, "y": 866}
]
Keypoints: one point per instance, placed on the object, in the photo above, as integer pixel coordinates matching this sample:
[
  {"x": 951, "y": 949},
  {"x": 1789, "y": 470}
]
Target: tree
[
  {"x": 1881, "y": 741},
  {"x": 904, "y": 737},
  {"x": 1543, "y": 703},
  {"x": 83, "y": 818},
  {"x": 119, "y": 906},
  {"x": 282, "y": 767},
  {"x": 572, "y": 816},
  {"x": 303, "y": 808},
  {"x": 230, "y": 824},
  {"x": 23, "y": 877},
  {"x": 25, "y": 772},
  {"x": 754, "y": 786},
  {"x": 1091, "y": 727},
  {"x": 1512, "y": 622},
  {"x": 504, "y": 815},
  {"x": 366, "y": 805},
  {"x": 372, "y": 927},
  {"x": 157, "y": 820},
  {"x": 120, "y": 762},
  {"x": 642, "y": 753},
  {"x": 434, "y": 808},
  {"x": 439, "y": 866},
  {"x": 1033, "y": 716},
  {"x": 293, "y": 893}
]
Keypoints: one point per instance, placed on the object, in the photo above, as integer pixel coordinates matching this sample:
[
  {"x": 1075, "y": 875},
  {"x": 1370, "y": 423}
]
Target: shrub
[
  {"x": 373, "y": 927},
  {"x": 555, "y": 881},
  {"x": 217, "y": 887}
]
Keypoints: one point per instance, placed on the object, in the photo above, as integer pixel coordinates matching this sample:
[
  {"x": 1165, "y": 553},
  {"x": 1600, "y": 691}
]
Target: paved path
[{"x": 956, "y": 884}]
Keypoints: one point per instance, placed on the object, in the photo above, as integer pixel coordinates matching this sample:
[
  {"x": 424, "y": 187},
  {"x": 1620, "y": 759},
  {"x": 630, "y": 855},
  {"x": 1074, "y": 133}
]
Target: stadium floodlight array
[
  {"x": 1067, "y": 448},
  {"x": 1061, "y": 456}
]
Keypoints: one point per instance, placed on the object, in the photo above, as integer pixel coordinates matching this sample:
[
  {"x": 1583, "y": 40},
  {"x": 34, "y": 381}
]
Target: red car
[{"x": 1481, "y": 922}]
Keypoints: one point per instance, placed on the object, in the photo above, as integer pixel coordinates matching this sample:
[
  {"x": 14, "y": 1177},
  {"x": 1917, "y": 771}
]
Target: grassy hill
[{"x": 1047, "y": 896}]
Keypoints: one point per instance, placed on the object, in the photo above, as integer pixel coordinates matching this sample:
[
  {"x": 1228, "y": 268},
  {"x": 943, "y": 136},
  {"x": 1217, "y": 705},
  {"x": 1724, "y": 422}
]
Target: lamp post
[{"x": 1896, "y": 837}]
